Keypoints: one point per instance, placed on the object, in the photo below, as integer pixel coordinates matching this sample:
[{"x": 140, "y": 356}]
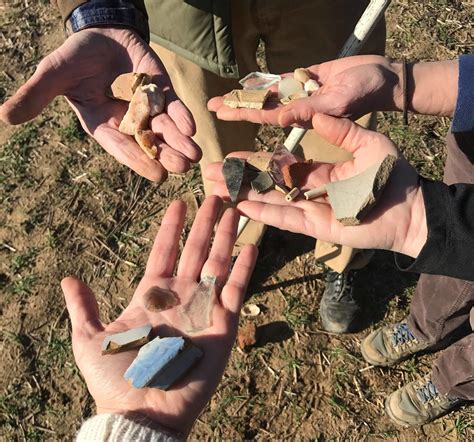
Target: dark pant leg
[
  {"x": 441, "y": 304},
  {"x": 453, "y": 371}
]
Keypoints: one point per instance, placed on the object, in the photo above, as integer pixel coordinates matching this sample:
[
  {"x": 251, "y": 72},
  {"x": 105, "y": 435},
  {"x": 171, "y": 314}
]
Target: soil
[{"x": 68, "y": 208}]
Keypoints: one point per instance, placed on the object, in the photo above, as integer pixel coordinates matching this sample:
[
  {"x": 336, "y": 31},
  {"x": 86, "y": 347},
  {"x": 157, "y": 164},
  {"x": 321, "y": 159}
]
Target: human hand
[
  {"x": 178, "y": 407},
  {"x": 397, "y": 222},
  {"x": 82, "y": 69},
  {"x": 350, "y": 87}
]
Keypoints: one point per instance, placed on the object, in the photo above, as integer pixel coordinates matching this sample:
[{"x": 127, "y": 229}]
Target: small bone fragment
[
  {"x": 156, "y": 99},
  {"x": 137, "y": 115},
  {"x": 134, "y": 338},
  {"x": 125, "y": 85},
  {"x": 293, "y": 97},
  {"x": 310, "y": 86},
  {"x": 259, "y": 160},
  {"x": 262, "y": 183},
  {"x": 316, "y": 192},
  {"x": 162, "y": 362},
  {"x": 196, "y": 314},
  {"x": 302, "y": 75},
  {"x": 292, "y": 194},
  {"x": 233, "y": 171},
  {"x": 353, "y": 198},
  {"x": 157, "y": 299},
  {"x": 250, "y": 310},
  {"x": 247, "y": 336},
  {"x": 289, "y": 86},
  {"x": 146, "y": 140},
  {"x": 250, "y": 99},
  {"x": 259, "y": 80}
]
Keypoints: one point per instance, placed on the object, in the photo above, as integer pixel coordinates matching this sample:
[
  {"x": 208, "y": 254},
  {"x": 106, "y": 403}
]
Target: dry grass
[{"x": 67, "y": 208}]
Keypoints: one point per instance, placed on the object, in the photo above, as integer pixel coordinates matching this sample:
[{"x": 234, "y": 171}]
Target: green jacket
[{"x": 198, "y": 30}]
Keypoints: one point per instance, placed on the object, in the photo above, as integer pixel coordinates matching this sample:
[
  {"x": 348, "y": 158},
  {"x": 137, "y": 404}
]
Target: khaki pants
[
  {"x": 441, "y": 305},
  {"x": 296, "y": 34}
]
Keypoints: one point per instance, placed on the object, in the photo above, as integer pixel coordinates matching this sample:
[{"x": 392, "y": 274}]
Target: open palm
[
  {"x": 178, "y": 407},
  {"x": 387, "y": 226},
  {"x": 350, "y": 87},
  {"x": 82, "y": 69}
]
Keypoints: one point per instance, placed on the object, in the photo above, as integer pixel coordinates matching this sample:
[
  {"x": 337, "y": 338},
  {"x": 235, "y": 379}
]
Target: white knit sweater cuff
[{"x": 115, "y": 427}]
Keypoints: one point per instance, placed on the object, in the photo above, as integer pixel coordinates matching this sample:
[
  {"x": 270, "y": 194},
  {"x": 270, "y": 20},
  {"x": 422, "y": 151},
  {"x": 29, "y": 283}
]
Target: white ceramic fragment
[
  {"x": 259, "y": 80},
  {"x": 311, "y": 86},
  {"x": 126, "y": 340},
  {"x": 289, "y": 86},
  {"x": 156, "y": 99},
  {"x": 250, "y": 310}
]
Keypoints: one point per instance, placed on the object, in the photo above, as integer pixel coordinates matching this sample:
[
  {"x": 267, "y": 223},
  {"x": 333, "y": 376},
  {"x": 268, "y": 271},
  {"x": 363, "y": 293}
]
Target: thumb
[
  {"x": 342, "y": 132},
  {"x": 301, "y": 112},
  {"x": 82, "y": 306},
  {"x": 47, "y": 82}
]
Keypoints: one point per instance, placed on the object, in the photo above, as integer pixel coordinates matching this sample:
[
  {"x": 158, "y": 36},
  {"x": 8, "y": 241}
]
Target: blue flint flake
[
  {"x": 151, "y": 359},
  {"x": 196, "y": 314},
  {"x": 134, "y": 338},
  {"x": 177, "y": 368},
  {"x": 233, "y": 171}
]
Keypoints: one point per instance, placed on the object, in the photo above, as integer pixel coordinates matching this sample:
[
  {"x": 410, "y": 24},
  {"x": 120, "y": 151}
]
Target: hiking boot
[
  {"x": 418, "y": 403},
  {"x": 390, "y": 344},
  {"x": 338, "y": 308}
]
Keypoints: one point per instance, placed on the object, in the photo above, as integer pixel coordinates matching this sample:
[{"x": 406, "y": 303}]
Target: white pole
[{"x": 366, "y": 24}]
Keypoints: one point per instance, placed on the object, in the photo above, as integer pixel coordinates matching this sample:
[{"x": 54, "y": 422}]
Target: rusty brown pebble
[
  {"x": 247, "y": 336},
  {"x": 157, "y": 299}
]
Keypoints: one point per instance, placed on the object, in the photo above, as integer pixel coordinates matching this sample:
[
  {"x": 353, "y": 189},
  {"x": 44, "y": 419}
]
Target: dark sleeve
[
  {"x": 463, "y": 120},
  {"x": 449, "y": 248},
  {"x": 82, "y": 14}
]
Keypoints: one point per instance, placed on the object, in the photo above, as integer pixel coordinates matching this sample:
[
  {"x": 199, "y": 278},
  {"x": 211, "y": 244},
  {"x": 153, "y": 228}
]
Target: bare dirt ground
[{"x": 68, "y": 208}]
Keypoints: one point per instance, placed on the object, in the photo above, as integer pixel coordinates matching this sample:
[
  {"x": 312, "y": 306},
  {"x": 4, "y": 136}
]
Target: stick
[{"x": 366, "y": 24}]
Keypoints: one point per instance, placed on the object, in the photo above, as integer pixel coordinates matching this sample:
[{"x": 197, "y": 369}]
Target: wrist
[
  {"x": 104, "y": 13},
  {"x": 417, "y": 232},
  {"x": 398, "y": 95},
  {"x": 143, "y": 419}
]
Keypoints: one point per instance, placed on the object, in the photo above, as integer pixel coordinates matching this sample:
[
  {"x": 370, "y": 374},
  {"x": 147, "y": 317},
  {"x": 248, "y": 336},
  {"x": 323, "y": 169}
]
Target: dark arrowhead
[{"x": 233, "y": 171}]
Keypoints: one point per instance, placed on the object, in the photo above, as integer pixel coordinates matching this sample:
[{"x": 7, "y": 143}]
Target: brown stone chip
[
  {"x": 146, "y": 140},
  {"x": 125, "y": 85},
  {"x": 137, "y": 115},
  {"x": 157, "y": 299},
  {"x": 247, "y": 336}
]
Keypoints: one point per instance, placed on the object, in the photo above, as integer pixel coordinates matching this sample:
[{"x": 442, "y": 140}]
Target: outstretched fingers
[
  {"x": 220, "y": 255},
  {"x": 196, "y": 249},
  {"x": 163, "y": 255},
  {"x": 234, "y": 291},
  {"x": 82, "y": 307}
]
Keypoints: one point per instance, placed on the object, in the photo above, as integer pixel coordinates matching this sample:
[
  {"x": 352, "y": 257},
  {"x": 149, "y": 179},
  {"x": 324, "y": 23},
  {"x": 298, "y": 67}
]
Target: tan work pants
[{"x": 296, "y": 34}]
